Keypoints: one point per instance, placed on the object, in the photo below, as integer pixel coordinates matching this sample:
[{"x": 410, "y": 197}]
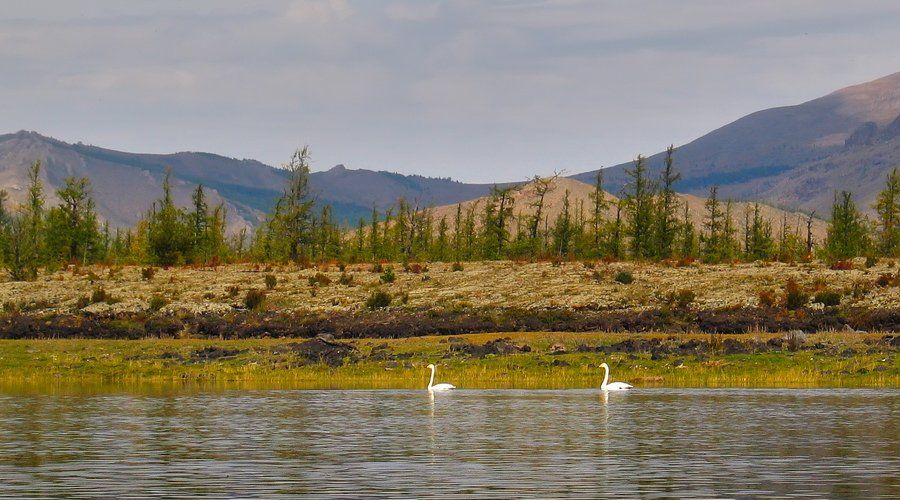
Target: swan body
[
  {"x": 615, "y": 386},
  {"x": 432, "y": 387}
]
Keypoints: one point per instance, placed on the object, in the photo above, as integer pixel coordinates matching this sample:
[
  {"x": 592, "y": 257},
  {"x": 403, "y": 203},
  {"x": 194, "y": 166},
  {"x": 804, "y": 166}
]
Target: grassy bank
[{"x": 524, "y": 360}]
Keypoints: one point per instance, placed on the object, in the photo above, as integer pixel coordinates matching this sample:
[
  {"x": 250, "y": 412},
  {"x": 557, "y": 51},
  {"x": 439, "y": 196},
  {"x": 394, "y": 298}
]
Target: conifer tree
[
  {"x": 458, "y": 233},
  {"x": 72, "y": 232},
  {"x": 639, "y": 201},
  {"x": 33, "y": 246},
  {"x": 617, "y": 233},
  {"x": 760, "y": 245},
  {"x": 469, "y": 235},
  {"x": 542, "y": 187},
  {"x": 294, "y": 220},
  {"x": 360, "y": 237},
  {"x": 599, "y": 206},
  {"x": 887, "y": 205},
  {"x": 687, "y": 236},
  {"x": 13, "y": 241},
  {"x": 200, "y": 225},
  {"x": 713, "y": 228},
  {"x": 564, "y": 229},
  {"x": 847, "y": 236},
  {"x": 667, "y": 212},
  {"x": 497, "y": 212},
  {"x": 441, "y": 244},
  {"x": 168, "y": 231},
  {"x": 374, "y": 245}
]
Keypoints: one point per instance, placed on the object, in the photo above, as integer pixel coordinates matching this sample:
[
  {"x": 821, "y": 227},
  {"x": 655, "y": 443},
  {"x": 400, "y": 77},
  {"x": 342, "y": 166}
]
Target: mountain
[
  {"x": 525, "y": 196},
  {"x": 126, "y": 184},
  {"x": 795, "y": 156}
]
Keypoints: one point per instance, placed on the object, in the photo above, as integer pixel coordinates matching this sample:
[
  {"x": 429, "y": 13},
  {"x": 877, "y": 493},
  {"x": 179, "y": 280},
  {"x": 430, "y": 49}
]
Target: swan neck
[
  {"x": 605, "y": 377},
  {"x": 431, "y": 381}
]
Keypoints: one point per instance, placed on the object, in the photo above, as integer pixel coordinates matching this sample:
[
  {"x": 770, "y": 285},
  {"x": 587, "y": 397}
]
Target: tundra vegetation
[{"x": 646, "y": 271}]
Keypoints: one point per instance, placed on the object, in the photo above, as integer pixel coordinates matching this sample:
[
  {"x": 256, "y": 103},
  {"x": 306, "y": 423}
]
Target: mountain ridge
[
  {"x": 792, "y": 157},
  {"x": 771, "y": 155}
]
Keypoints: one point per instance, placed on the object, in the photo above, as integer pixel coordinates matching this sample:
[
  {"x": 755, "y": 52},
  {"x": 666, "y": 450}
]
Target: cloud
[
  {"x": 520, "y": 86},
  {"x": 318, "y": 12},
  {"x": 412, "y": 11}
]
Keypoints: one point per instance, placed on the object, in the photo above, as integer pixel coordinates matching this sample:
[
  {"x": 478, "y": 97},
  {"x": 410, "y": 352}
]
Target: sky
[{"x": 480, "y": 91}]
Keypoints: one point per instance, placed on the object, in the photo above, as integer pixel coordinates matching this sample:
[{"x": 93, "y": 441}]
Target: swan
[
  {"x": 439, "y": 387},
  {"x": 615, "y": 386}
]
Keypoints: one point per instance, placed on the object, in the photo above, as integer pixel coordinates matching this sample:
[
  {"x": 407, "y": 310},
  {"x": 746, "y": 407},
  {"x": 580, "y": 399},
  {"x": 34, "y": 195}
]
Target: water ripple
[{"x": 649, "y": 443}]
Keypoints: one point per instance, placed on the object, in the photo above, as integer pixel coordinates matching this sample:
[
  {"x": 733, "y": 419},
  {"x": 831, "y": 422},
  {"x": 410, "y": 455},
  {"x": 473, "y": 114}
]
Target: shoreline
[{"x": 529, "y": 360}]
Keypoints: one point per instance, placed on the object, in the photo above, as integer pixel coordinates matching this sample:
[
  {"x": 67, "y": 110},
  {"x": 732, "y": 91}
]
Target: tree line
[{"x": 648, "y": 221}]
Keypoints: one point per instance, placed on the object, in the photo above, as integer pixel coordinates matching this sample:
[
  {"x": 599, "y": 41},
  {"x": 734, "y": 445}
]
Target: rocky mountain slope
[
  {"x": 126, "y": 184},
  {"x": 795, "y": 156}
]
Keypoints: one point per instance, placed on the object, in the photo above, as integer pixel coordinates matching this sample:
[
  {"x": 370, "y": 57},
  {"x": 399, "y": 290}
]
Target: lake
[{"x": 646, "y": 442}]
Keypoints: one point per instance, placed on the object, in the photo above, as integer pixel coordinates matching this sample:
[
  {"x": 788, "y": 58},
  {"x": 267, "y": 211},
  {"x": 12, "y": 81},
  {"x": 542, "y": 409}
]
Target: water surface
[{"x": 648, "y": 442}]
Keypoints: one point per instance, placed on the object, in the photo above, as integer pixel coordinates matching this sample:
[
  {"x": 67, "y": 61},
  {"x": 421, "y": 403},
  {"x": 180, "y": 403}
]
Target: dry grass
[{"x": 502, "y": 284}]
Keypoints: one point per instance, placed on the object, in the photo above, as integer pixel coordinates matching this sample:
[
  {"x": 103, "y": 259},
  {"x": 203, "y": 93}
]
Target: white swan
[
  {"x": 439, "y": 387},
  {"x": 615, "y": 386}
]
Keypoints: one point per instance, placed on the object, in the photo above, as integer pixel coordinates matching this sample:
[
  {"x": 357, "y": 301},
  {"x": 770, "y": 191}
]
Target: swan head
[
  {"x": 604, "y": 365},
  {"x": 430, "y": 366}
]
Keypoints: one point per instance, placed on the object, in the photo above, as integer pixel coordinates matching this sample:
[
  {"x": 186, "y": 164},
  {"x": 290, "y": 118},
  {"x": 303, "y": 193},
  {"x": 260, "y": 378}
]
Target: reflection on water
[{"x": 491, "y": 443}]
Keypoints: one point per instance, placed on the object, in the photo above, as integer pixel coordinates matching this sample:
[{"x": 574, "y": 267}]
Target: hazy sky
[{"x": 476, "y": 90}]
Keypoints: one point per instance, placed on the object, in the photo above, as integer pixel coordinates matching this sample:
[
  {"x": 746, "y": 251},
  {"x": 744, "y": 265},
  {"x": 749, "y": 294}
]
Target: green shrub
[
  {"x": 147, "y": 273},
  {"x": 682, "y": 299},
  {"x": 99, "y": 295},
  {"x": 378, "y": 300},
  {"x": 377, "y": 267},
  {"x": 388, "y": 276},
  {"x": 82, "y": 302},
  {"x": 828, "y": 298},
  {"x": 346, "y": 279},
  {"x": 456, "y": 267},
  {"x": 624, "y": 277},
  {"x": 271, "y": 281},
  {"x": 156, "y": 303},
  {"x": 232, "y": 291},
  {"x": 255, "y": 299},
  {"x": 860, "y": 289}
]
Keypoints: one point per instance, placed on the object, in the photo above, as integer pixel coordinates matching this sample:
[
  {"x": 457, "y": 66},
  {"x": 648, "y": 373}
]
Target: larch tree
[
  {"x": 887, "y": 205},
  {"x": 666, "y": 227},
  {"x": 639, "y": 208},
  {"x": 295, "y": 218},
  {"x": 847, "y": 236}
]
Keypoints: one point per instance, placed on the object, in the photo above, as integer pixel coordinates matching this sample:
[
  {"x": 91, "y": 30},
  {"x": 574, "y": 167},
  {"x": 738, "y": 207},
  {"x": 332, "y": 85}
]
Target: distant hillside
[
  {"x": 795, "y": 156},
  {"x": 579, "y": 193},
  {"x": 126, "y": 184}
]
